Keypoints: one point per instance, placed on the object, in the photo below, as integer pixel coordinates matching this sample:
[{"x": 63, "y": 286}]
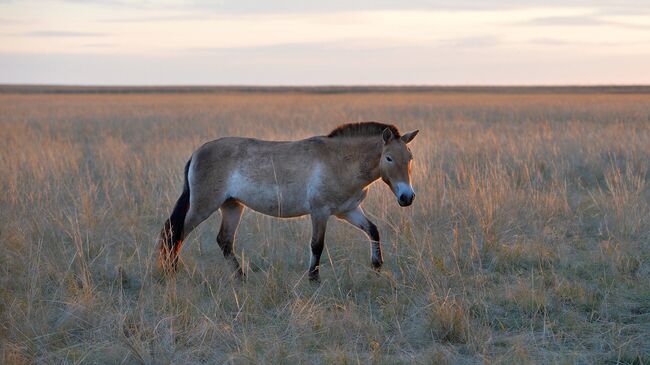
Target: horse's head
[{"x": 395, "y": 165}]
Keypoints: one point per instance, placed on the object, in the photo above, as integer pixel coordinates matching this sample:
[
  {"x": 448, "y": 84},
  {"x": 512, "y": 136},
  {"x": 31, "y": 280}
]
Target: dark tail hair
[{"x": 171, "y": 236}]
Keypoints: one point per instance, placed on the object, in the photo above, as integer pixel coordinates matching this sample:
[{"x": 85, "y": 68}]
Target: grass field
[{"x": 529, "y": 240}]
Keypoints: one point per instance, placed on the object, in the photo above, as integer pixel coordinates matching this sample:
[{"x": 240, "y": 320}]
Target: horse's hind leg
[
  {"x": 172, "y": 242},
  {"x": 231, "y": 211},
  {"x": 189, "y": 212}
]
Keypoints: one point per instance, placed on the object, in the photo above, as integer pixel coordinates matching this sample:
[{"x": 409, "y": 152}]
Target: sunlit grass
[{"x": 528, "y": 241}]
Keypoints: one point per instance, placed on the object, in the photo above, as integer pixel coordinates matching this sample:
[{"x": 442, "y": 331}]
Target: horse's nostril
[{"x": 405, "y": 199}]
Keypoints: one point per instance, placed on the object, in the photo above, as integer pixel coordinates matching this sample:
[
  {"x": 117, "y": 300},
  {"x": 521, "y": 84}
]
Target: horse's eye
[{"x": 389, "y": 159}]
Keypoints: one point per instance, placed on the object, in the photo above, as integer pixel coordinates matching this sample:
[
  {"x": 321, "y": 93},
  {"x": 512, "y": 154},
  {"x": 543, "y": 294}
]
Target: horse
[{"x": 321, "y": 176}]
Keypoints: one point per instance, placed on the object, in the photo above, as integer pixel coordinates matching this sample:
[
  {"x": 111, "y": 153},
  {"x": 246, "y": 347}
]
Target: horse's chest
[
  {"x": 327, "y": 196},
  {"x": 350, "y": 203}
]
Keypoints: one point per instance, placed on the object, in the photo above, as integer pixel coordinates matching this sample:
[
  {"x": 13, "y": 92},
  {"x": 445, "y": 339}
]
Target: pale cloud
[
  {"x": 61, "y": 33},
  {"x": 471, "y": 42},
  {"x": 554, "y": 42},
  {"x": 159, "y": 18},
  {"x": 578, "y": 21},
  {"x": 301, "y": 6},
  {"x": 97, "y": 45},
  {"x": 584, "y": 21}
]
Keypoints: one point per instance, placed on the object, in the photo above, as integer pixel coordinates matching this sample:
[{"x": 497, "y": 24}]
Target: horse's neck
[{"x": 366, "y": 168}]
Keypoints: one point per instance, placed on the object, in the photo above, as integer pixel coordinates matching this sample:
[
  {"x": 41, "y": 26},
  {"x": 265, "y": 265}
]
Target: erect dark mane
[{"x": 362, "y": 129}]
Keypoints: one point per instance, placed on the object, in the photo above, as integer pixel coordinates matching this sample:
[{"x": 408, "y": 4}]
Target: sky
[{"x": 338, "y": 42}]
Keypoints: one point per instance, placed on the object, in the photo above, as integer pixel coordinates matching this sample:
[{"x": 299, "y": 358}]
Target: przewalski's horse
[{"x": 320, "y": 176}]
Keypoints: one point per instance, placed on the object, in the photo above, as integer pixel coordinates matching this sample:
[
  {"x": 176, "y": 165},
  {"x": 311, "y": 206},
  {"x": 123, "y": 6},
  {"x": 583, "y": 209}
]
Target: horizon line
[{"x": 318, "y": 89}]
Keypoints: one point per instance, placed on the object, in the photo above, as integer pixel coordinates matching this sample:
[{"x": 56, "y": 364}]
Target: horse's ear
[
  {"x": 408, "y": 137},
  {"x": 387, "y": 135}
]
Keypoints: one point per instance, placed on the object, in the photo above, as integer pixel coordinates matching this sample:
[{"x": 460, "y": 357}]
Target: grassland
[{"x": 529, "y": 241}]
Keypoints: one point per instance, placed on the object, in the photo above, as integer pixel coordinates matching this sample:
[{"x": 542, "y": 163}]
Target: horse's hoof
[
  {"x": 314, "y": 278},
  {"x": 376, "y": 265},
  {"x": 239, "y": 275}
]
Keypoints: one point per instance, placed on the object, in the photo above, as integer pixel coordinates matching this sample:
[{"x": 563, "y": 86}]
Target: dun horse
[{"x": 320, "y": 176}]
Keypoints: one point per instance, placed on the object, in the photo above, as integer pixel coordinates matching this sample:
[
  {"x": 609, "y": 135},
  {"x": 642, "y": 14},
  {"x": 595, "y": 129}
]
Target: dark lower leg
[
  {"x": 316, "y": 251},
  {"x": 226, "y": 245},
  {"x": 373, "y": 234},
  {"x": 319, "y": 225},
  {"x": 231, "y": 211}
]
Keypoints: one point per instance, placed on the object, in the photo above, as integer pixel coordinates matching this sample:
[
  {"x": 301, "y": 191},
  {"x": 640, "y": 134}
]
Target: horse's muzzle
[{"x": 405, "y": 200}]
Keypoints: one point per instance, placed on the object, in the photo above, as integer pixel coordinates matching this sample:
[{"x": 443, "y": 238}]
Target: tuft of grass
[
  {"x": 448, "y": 320},
  {"x": 520, "y": 257},
  {"x": 531, "y": 301},
  {"x": 579, "y": 295}
]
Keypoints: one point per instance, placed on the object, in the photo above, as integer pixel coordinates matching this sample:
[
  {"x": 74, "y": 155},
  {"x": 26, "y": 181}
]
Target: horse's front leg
[
  {"x": 357, "y": 218},
  {"x": 319, "y": 225}
]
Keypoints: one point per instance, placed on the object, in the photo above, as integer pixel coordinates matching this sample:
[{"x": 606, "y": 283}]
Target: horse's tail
[{"x": 171, "y": 236}]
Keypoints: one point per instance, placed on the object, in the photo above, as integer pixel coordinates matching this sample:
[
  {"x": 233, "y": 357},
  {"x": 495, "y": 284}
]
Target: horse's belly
[
  {"x": 269, "y": 199},
  {"x": 276, "y": 206}
]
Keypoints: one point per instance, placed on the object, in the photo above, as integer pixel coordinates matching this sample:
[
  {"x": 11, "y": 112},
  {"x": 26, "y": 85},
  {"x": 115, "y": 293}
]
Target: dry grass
[{"x": 529, "y": 240}]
